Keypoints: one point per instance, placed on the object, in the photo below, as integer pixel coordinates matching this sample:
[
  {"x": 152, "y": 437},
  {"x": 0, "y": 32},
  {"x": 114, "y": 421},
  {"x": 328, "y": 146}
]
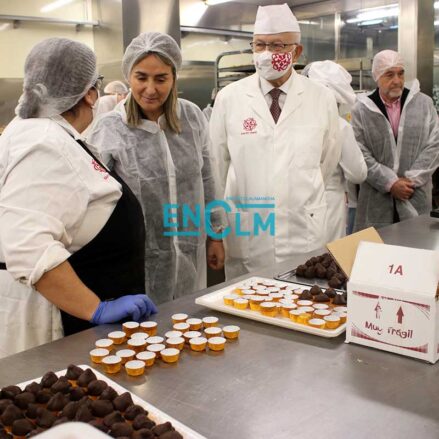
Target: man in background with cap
[
  {"x": 398, "y": 131},
  {"x": 275, "y": 140}
]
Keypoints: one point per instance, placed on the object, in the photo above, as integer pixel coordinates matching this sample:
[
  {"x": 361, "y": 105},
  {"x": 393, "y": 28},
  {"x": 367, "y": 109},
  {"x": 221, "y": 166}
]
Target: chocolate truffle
[
  {"x": 158, "y": 430},
  {"x": 83, "y": 414},
  {"x": 305, "y": 295},
  {"x": 61, "y": 420},
  {"x": 142, "y": 422},
  {"x": 320, "y": 271},
  {"x": 109, "y": 393},
  {"x": 101, "y": 408},
  {"x": 300, "y": 270},
  {"x": 335, "y": 282},
  {"x": 322, "y": 297},
  {"x": 330, "y": 272},
  {"x": 24, "y": 399},
  {"x": 35, "y": 432},
  {"x": 49, "y": 379},
  {"x": 143, "y": 433},
  {"x": 70, "y": 409},
  {"x": 10, "y": 392},
  {"x": 330, "y": 292},
  {"x": 326, "y": 262},
  {"x": 308, "y": 263},
  {"x": 96, "y": 387},
  {"x": 86, "y": 377},
  {"x": 97, "y": 424},
  {"x": 121, "y": 429},
  {"x": 310, "y": 272},
  {"x": 76, "y": 394},
  {"x": 4, "y": 403},
  {"x": 315, "y": 290},
  {"x": 43, "y": 396},
  {"x": 21, "y": 427},
  {"x": 31, "y": 411},
  {"x": 33, "y": 388},
  {"x": 171, "y": 435},
  {"x": 123, "y": 401},
  {"x": 112, "y": 418},
  {"x": 73, "y": 372},
  {"x": 45, "y": 419},
  {"x": 11, "y": 414},
  {"x": 339, "y": 300},
  {"x": 132, "y": 411},
  {"x": 57, "y": 402},
  {"x": 62, "y": 385}
]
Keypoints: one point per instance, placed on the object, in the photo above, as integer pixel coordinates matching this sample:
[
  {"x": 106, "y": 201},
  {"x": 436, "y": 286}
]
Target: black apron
[{"x": 112, "y": 264}]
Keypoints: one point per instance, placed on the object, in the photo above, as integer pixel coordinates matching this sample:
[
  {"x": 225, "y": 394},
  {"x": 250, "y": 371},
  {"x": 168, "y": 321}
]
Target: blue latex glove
[{"x": 137, "y": 307}]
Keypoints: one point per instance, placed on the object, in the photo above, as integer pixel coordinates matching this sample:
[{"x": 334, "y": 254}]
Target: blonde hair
[{"x": 134, "y": 111}]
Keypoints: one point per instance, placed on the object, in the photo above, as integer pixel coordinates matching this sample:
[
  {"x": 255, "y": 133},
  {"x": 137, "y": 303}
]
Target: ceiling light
[
  {"x": 215, "y": 2},
  {"x": 370, "y": 22},
  {"x": 375, "y": 13},
  {"x": 55, "y": 5}
]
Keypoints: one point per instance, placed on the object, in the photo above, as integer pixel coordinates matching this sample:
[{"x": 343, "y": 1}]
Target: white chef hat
[
  {"x": 275, "y": 19},
  {"x": 385, "y": 60},
  {"x": 335, "y": 77}
]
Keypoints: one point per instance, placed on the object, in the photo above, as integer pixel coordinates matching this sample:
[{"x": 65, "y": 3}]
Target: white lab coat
[
  {"x": 287, "y": 163},
  {"x": 352, "y": 168},
  {"x": 54, "y": 199}
]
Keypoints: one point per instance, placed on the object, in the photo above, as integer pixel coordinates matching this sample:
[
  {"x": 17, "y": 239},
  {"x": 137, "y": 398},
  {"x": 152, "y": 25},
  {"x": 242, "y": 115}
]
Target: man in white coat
[{"x": 275, "y": 140}]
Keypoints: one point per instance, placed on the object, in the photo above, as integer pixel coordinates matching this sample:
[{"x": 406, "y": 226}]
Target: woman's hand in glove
[{"x": 137, "y": 307}]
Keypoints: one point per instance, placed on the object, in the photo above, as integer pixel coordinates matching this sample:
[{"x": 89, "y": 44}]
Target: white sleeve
[
  {"x": 42, "y": 203},
  {"x": 352, "y": 160}
]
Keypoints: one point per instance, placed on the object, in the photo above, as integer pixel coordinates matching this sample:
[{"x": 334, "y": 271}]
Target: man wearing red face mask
[{"x": 274, "y": 138}]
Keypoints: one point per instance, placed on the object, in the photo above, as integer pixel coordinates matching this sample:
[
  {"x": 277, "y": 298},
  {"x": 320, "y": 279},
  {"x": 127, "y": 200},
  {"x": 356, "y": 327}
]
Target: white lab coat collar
[
  {"x": 68, "y": 127},
  {"x": 266, "y": 87}
]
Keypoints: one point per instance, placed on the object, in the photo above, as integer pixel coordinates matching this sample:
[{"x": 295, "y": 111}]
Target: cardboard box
[{"x": 392, "y": 300}]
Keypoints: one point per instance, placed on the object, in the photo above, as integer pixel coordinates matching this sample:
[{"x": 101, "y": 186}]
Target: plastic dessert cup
[
  {"x": 294, "y": 314},
  {"x": 343, "y": 316},
  {"x": 340, "y": 309},
  {"x": 170, "y": 355},
  {"x": 98, "y": 354},
  {"x": 208, "y": 322},
  {"x": 320, "y": 306},
  {"x": 179, "y": 318},
  {"x": 135, "y": 368},
  {"x": 104, "y": 343},
  {"x": 137, "y": 344},
  {"x": 276, "y": 296},
  {"x": 175, "y": 342},
  {"x": 231, "y": 332},
  {"x": 316, "y": 323},
  {"x": 198, "y": 344},
  {"x": 141, "y": 335},
  {"x": 286, "y": 308},
  {"x": 216, "y": 343},
  {"x": 118, "y": 337},
  {"x": 308, "y": 309},
  {"x": 255, "y": 302},
  {"x": 130, "y": 327},
  {"x": 268, "y": 309},
  {"x": 303, "y": 318},
  {"x": 156, "y": 348},
  {"x": 173, "y": 334},
  {"x": 332, "y": 321},
  {"x": 112, "y": 364},
  {"x": 214, "y": 331},
  {"x": 191, "y": 334},
  {"x": 240, "y": 303},
  {"x": 321, "y": 313},
  {"x": 228, "y": 299},
  {"x": 194, "y": 324},
  {"x": 155, "y": 340},
  {"x": 182, "y": 327},
  {"x": 147, "y": 357},
  {"x": 304, "y": 302},
  {"x": 149, "y": 328},
  {"x": 126, "y": 355}
]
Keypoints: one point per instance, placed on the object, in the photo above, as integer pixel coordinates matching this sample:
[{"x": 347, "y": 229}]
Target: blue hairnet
[{"x": 58, "y": 72}]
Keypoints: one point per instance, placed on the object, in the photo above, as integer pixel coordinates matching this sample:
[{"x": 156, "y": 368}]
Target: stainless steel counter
[{"x": 274, "y": 382}]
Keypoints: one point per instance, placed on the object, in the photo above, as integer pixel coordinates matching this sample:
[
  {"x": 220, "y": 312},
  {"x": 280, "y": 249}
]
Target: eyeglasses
[
  {"x": 99, "y": 83},
  {"x": 272, "y": 47}
]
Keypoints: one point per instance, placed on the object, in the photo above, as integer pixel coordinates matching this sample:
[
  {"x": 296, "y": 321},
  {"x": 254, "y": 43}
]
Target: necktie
[{"x": 275, "y": 108}]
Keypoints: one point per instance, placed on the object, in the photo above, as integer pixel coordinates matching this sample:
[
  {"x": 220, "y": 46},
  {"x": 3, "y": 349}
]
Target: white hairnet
[
  {"x": 148, "y": 42},
  {"x": 58, "y": 72},
  {"x": 385, "y": 60},
  {"x": 116, "y": 87},
  {"x": 333, "y": 76}
]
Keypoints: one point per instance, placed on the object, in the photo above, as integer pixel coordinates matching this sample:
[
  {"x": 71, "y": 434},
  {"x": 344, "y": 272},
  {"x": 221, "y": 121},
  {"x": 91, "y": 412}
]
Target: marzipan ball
[
  {"x": 57, "y": 402},
  {"x": 62, "y": 385},
  {"x": 330, "y": 292},
  {"x": 10, "y": 392},
  {"x": 113, "y": 418},
  {"x": 21, "y": 427},
  {"x": 322, "y": 297},
  {"x": 300, "y": 270},
  {"x": 45, "y": 419},
  {"x": 101, "y": 408},
  {"x": 43, "y": 396},
  {"x": 158, "y": 430},
  {"x": 86, "y": 377},
  {"x": 11, "y": 414},
  {"x": 121, "y": 429},
  {"x": 70, "y": 409},
  {"x": 171, "y": 435},
  {"x": 96, "y": 387},
  {"x": 31, "y": 411},
  {"x": 97, "y": 424},
  {"x": 33, "y": 388},
  {"x": 83, "y": 414},
  {"x": 310, "y": 272},
  {"x": 109, "y": 393},
  {"x": 305, "y": 295},
  {"x": 143, "y": 433},
  {"x": 132, "y": 411},
  {"x": 76, "y": 394},
  {"x": 73, "y": 372},
  {"x": 49, "y": 379},
  {"x": 142, "y": 422},
  {"x": 24, "y": 399},
  {"x": 123, "y": 401},
  {"x": 4, "y": 403},
  {"x": 315, "y": 290}
]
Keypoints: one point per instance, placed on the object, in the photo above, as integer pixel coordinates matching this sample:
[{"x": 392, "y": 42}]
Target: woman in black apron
[{"x": 102, "y": 280}]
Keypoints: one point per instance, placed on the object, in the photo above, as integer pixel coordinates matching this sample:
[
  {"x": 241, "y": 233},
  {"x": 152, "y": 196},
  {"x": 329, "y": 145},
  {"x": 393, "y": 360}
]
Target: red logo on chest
[
  {"x": 249, "y": 124},
  {"x": 99, "y": 168}
]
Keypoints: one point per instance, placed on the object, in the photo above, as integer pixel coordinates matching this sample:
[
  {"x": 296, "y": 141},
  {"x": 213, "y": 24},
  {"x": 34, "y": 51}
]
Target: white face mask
[{"x": 271, "y": 65}]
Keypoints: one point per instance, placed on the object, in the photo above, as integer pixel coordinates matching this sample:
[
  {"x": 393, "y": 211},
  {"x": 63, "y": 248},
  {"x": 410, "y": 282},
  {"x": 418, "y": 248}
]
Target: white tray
[
  {"x": 157, "y": 415},
  {"x": 215, "y": 301}
]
